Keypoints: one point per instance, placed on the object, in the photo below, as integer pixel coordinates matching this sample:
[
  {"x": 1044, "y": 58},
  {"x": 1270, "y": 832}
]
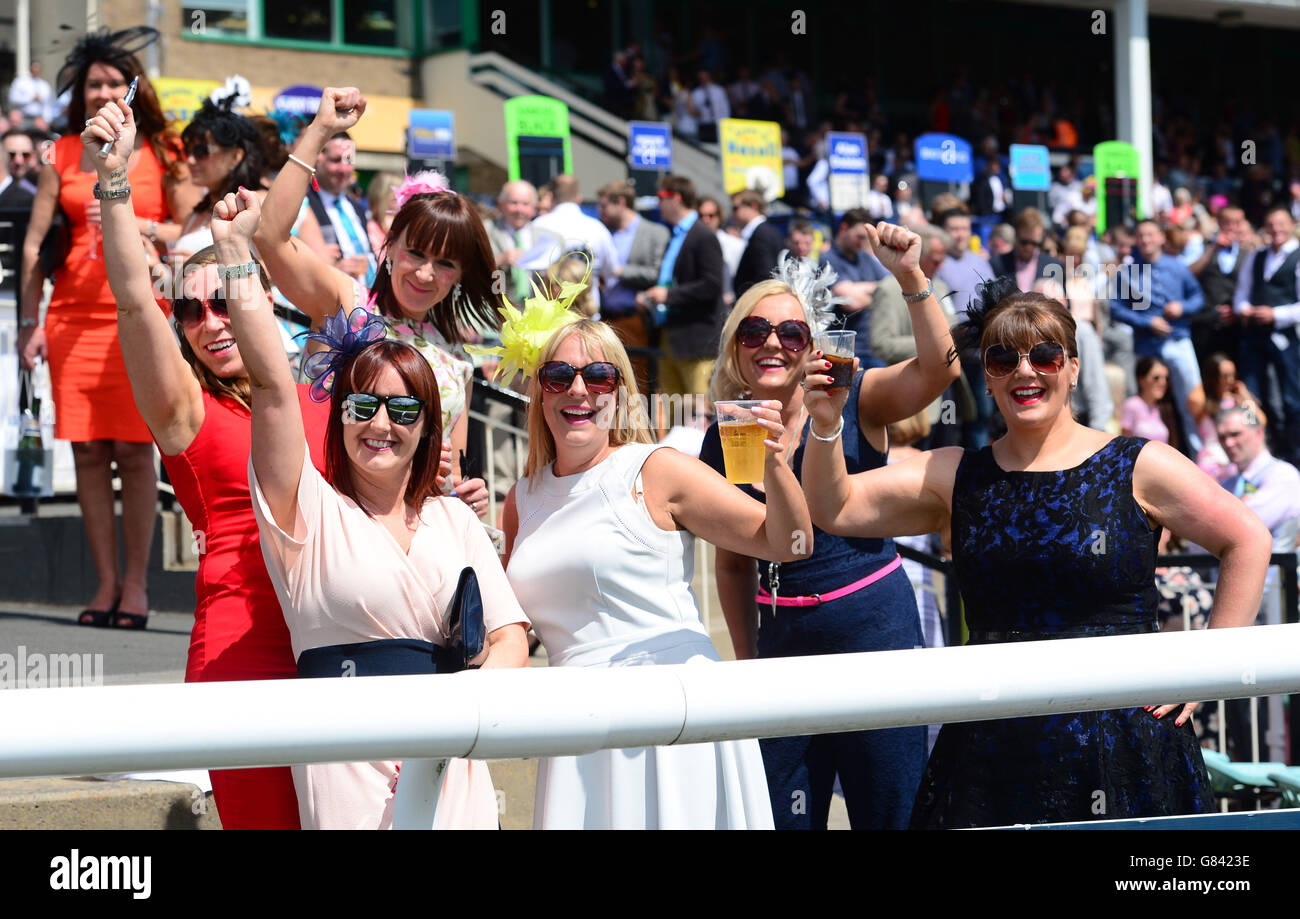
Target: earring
[
  {"x": 455, "y": 292},
  {"x": 988, "y": 392},
  {"x": 1074, "y": 386},
  {"x": 388, "y": 263}
]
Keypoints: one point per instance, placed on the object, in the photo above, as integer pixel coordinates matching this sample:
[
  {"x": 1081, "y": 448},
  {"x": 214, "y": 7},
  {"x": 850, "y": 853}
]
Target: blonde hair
[
  {"x": 909, "y": 430},
  {"x": 573, "y": 268},
  {"x": 727, "y": 381},
  {"x": 632, "y": 425}
]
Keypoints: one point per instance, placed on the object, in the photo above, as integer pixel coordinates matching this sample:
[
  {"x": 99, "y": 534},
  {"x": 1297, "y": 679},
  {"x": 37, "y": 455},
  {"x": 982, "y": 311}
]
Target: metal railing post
[{"x": 419, "y": 786}]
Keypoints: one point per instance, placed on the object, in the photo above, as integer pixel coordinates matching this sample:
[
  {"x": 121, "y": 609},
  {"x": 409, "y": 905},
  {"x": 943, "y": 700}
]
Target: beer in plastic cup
[{"x": 743, "y": 453}]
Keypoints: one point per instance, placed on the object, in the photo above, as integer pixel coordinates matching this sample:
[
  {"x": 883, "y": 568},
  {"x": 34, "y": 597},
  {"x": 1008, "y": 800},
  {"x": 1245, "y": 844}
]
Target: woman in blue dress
[
  {"x": 1029, "y": 514},
  {"x": 851, "y": 594}
]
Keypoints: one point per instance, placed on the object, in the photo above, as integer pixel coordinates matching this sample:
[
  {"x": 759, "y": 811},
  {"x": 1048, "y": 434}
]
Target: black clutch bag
[{"x": 466, "y": 634}]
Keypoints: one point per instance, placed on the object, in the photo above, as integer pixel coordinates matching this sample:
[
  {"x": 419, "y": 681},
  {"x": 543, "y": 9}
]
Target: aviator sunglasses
[
  {"x": 558, "y": 376},
  {"x": 1046, "y": 357},
  {"x": 793, "y": 334},
  {"x": 403, "y": 410},
  {"x": 189, "y": 310}
]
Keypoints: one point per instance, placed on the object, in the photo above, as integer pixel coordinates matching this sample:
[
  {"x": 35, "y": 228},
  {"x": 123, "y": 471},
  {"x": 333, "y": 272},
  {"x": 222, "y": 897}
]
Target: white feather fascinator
[{"x": 812, "y": 285}]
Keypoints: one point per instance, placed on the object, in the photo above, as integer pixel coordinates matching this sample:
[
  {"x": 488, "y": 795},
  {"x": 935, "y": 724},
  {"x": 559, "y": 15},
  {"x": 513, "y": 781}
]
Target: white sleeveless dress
[{"x": 604, "y": 586}]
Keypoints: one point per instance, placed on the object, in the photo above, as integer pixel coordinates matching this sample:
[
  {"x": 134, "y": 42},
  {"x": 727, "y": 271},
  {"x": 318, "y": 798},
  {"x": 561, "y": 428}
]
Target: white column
[
  {"x": 1133, "y": 86},
  {"x": 22, "y": 38}
]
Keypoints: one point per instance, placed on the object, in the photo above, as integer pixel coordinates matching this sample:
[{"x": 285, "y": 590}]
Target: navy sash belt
[{"x": 387, "y": 657}]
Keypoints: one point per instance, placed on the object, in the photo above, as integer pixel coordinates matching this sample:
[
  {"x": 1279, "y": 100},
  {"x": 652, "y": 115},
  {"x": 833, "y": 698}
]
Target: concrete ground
[{"x": 157, "y": 655}]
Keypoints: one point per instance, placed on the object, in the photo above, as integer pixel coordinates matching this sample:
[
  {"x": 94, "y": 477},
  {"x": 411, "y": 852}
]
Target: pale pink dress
[{"x": 342, "y": 578}]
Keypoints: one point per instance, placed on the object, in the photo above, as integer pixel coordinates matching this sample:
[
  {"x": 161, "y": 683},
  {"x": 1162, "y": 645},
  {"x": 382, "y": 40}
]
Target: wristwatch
[
  {"x": 109, "y": 195},
  {"x": 239, "y": 271},
  {"x": 918, "y": 297}
]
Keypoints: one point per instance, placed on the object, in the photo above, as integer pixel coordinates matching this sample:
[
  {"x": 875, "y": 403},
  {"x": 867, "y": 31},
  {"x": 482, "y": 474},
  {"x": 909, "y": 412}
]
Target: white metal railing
[{"x": 423, "y": 720}]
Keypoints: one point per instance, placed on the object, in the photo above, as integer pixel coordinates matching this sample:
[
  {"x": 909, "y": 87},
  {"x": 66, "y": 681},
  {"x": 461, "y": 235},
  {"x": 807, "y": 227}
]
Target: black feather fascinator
[
  {"x": 103, "y": 46},
  {"x": 966, "y": 336}
]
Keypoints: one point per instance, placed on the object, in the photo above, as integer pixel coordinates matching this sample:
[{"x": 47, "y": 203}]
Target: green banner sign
[
  {"x": 1117, "y": 161},
  {"x": 537, "y": 138}
]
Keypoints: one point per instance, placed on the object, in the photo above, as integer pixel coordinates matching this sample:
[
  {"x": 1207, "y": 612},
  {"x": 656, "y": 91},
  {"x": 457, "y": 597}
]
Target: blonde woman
[{"x": 600, "y": 542}]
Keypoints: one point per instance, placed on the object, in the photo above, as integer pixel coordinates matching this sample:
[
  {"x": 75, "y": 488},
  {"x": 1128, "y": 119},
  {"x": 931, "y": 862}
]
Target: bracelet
[
  {"x": 311, "y": 170},
  {"x": 238, "y": 271},
  {"x": 918, "y": 297},
  {"x": 108, "y": 195},
  {"x": 152, "y": 232},
  {"x": 27, "y": 322},
  {"x": 834, "y": 437}
]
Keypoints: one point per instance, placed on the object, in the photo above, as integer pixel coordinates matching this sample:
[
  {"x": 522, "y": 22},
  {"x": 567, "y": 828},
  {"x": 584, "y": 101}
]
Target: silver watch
[{"x": 918, "y": 297}]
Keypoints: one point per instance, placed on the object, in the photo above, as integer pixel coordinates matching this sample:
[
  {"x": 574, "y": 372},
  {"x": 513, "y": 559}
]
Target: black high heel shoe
[{"x": 99, "y": 618}]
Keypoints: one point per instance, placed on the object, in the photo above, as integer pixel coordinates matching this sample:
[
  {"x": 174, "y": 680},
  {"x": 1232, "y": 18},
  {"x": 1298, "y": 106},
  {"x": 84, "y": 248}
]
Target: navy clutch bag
[{"x": 466, "y": 636}]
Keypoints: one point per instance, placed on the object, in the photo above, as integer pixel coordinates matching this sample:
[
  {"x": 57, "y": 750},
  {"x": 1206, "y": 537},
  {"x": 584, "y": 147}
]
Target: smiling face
[
  {"x": 770, "y": 369},
  {"x": 212, "y": 340},
  {"x": 1028, "y": 398},
  {"x": 104, "y": 83},
  {"x": 378, "y": 449},
  {"x": 1149, "y": 241},
  {"x": 420, "y": 279},
  {"x": 576, "y": 418},
  {"x": 1155, "y": 384},
  {"x": 335, "y": 165},
  {"x": 214, "y": 165}
]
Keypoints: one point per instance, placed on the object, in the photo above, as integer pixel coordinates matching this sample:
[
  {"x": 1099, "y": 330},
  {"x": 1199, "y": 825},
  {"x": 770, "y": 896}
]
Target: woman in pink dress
[
  {"x": 373, "y": 556},
  {"x": 1140, "y": 415}
]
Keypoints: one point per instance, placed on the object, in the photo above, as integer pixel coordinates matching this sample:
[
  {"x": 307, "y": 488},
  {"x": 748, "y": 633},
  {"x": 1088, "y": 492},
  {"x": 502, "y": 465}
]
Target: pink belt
[{"x": 817, "y": 599}]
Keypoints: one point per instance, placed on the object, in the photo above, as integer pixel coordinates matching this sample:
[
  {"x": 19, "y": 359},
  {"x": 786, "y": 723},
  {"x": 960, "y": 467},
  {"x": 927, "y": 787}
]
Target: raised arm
[
  {"x": 905, "y": 499},
  {"x": 279, "y": 443},
  {"x": 166, "y": 393},
  {"x": 305, "y": 280},
  {"x": 893, "y": 393},
  {"x": 698, "y": 499}
]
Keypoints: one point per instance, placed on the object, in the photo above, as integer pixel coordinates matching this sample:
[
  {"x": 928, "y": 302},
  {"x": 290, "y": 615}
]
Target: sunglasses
[
  {"x": 558, "y": 376},
  {"x": 199, "y": 151},
  {"x": 663, "y": 195},
  {"x": 403, "y": 410},
  {"x": 1025, "y": 241},
  {"x": 793, "y": 334},
  {"x": 1045, "y": 357},
  {"x": 189, "y": 310}
]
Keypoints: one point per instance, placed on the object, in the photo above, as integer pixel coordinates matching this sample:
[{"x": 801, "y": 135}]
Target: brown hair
[
  {"x": 150, "y": 121},
  {"x": 446, "y": 223},
  {"x": 619, "y": 191},
  {"x": 1021, "y": 320},
  {"x": 682, "y": 187},
  {"x": 751, "y": 198},
  {"x": 355, "y": 375},
  {"x": 237, "y": 389},
  {"x": 1029, "y": 219}
]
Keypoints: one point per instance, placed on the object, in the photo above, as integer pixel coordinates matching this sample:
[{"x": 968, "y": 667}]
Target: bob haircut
[
  {"x": 1021, "y": 320},
  {"x": 355, "y": 376},
  {"x": 237, "y": 389},
  {"x": 448, "y": 224},
  {"x": 727, "y": 381},
  {"x": 631, "y": 427}
]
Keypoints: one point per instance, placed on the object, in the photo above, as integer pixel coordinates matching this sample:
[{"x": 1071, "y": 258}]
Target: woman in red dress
[
  {"x": 195, "y": 401},
  {"x": 92, "y": 398}
]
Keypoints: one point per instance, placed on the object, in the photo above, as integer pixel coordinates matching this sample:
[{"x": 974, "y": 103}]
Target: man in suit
[
  {"x": 990, "y": 193},
  {"x": 569, "y": 229},
  {"x": 1027, "y": 262},
  {"x": 17, "y": 190},
  {"x": 688, "y": 296},
  {"x": 512, "y": 235},
  {"x": 640, "y": 245},
  {"x": 763, "y": 242},
  {"x": 342, "y": 220}
]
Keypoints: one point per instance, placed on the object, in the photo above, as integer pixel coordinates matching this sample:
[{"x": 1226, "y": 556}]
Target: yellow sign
[
  {"x": 181, "y": 99},
  {"x": 381, "y": 130},
  {"x": 751, "y": 156}
]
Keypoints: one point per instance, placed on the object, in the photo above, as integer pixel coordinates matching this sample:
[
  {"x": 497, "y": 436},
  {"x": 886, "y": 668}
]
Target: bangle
[
  {"x": 311, "y": 170},
  {"x": 834, "y": 437},
  {"x": 918, "y": 297}
]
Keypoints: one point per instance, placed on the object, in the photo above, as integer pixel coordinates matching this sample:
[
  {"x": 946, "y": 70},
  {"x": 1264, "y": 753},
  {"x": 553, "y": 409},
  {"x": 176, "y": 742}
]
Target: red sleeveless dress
[{"x": 239, "y": 631}]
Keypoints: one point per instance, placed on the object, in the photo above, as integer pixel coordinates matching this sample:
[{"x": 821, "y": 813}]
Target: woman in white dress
[{"x": 600, "y": 547}]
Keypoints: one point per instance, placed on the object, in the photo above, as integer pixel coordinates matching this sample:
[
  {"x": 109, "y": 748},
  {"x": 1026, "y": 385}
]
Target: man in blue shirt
[
  {"x": 1157, "y": 296},
  {"x": 859, "y": 272}
]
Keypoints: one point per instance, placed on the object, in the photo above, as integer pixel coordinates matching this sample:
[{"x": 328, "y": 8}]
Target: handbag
[
  {"x": 57, "y": 242},
  {"x": 466, "y": 633}
]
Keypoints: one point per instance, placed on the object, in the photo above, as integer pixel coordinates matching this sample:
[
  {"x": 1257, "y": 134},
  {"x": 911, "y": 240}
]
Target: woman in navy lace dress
[{"x": 1054, "y": 531}]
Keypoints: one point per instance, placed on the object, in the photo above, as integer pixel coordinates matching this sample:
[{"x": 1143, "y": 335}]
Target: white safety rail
[{"x": 557, "y": 711}]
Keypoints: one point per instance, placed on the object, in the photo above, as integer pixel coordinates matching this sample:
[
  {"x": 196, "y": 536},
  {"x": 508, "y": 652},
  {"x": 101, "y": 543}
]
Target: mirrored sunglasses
[
  {"x": 403, "y": 410},
  {"x": 189, "y": 310},
  {"x": 1046, "y": 357}
]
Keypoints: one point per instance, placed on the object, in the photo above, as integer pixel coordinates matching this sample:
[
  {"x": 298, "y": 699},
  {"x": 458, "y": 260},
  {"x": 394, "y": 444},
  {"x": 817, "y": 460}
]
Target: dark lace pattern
[{"x": 1043, "y": 555}]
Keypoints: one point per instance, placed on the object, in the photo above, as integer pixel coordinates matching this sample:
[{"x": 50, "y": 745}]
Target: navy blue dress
[
  {"x": 1043, "y": 555},
  {"x": 878, "y": 770}
]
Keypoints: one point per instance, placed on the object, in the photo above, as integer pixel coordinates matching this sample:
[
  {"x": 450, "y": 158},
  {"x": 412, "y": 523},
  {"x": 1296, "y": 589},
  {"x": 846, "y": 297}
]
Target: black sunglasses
[
  {"x": 189, "y": 310},
  {"x": 199, "y": 151},
  {"x": 403, "y": 410},
  {"x": 1046, "y": 357},
  {"x": 558, "y": 376},
  {"x": 793, "y": 334}
]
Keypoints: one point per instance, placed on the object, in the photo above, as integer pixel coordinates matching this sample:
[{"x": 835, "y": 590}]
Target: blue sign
[
  {"x": 431, "y": 135},
  {"x": 298, "y": 100},
  {"x": 650, "y": 145},
  {"x": 943, "y": 158},
  {"x": 846, "y": 154},
  {"x": 1030, "y": 170}
]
